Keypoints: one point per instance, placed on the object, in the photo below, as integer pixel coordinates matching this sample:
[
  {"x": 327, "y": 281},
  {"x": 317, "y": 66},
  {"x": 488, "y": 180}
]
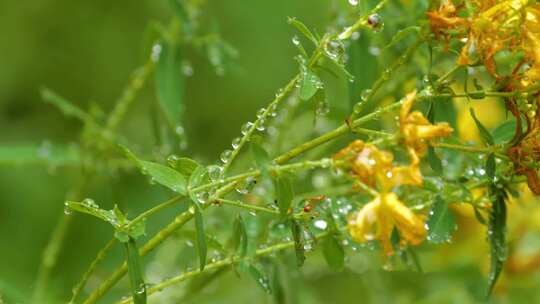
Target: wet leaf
[
  {"x": 262, "y": 159},
  {"x": 490, "y": 166},
  {"x": 284, "y": 193},
  {"x": 401, "y": 34},
  {"x": 302, "y": 28},
  {"x": 497, "y": 235},
  {"x": 333, "y": 253},
  {"x": 298, "y": 238},
  {"x": 186, "y": 166},
  {"x": 441, "y": 223},
  {"x": 260, "y": 278},
  {"x": 504, "y": 132},
  {"x": 309, "y": 84},
  {"x": 161, "y": 174}
]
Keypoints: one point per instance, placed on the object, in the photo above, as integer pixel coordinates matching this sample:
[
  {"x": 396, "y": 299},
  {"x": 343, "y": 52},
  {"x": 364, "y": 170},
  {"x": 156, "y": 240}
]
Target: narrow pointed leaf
[
  {"x": 186, "y": 166},
  {"x": 170, "y": 82},
  {"x": 161, "y": 174},
  {"x": 284, "y": 193},
  {"x": 497, "y": 235},
  {"x": 138, "y": 287},
  {"x": 504, "y": 132},
  {"x": 302, "y": 28},
  {"x": 296, "y": 230},
  {"x": 434, "y": 161},
  {"x": 484, "y": 133},
  {"x": 201, "y": 237},
  {"x": 262, "y": 159},
  {"x": 260, "y": 278},
  {"x": 490, "y": 166}
]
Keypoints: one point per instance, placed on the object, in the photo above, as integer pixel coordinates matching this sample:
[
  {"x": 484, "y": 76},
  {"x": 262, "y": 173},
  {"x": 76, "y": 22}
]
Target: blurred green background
[{"x": 86, "y": 51}]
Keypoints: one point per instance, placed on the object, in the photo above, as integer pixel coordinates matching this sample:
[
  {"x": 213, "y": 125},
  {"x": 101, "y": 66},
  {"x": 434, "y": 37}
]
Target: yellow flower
[
  {"x": 374, "y": 167},
  {"x": 377, "y": 219},
  {"x": 417, "y": 130}
]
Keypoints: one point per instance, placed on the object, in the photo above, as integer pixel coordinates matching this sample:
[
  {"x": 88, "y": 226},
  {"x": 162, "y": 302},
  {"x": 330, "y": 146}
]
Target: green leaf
[
  {"x": 441, "y": 223},
  {"x": 161, "y": 174},
  {"x": 497, "y": 235},
  {"x": 201, "y": 237},
  {"x": 434, "y": 161},
  {"x": 240, "y": 238},
  {"x": 484, "y": 133},
  {"x": 138, "y": 287},
  {"x": 284, "y": 193},
  {"x": 309, "y": 85},
  {"x": 298, "y": 238},
  {"x": 260, "y": 278},
  {"x": 333, "y": 253},
  {"x": 186, "y": 166},
  {"x": 46, "y": 153},
  {"x": 336, "y": 80},
  {"x": 278, "y": 288},
  {"x": 302, "y": 28},
  {"x": 504, "y": 132},
  {"x": 90, "y": 208},
  {"x": 490, "y": 166},
  {"x": 64, "y": 105},
  {"x": 170, "y": 82},
  {"x": 400, "y": 35}
]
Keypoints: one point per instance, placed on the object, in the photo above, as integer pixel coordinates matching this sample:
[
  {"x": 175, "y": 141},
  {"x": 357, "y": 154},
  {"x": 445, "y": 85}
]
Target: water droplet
[
  {"x": 353, "y": 2},
  {"x": 191, "y": 210},
  {"x": 236, "y": 142},
  {"x": 365, "y": 94},
  {"x": 323, "y": 108},
  {"x": 321, "y": 224},
  {"x": 141, "y": 289},
  {"x": 187, "y": 68},
  {"x": 260, "y": 125},
  {"x": 179, "y": 130},
  {"x": 295, "y": 40},
  {"x": 156, "y": 51},
  {"x": 202, "y": 197},
  {"x": 67, "y": 210},
  {"x": 334, "y": 49},
  {"x": 261, "y": 112},
  {"x": 215, "y": 172},
  {"x": 226, "y": 156},
  {"x": 172, "y": 160},
  {"x": 246, "y": 127},
  {"x": 90, "y": 203}
]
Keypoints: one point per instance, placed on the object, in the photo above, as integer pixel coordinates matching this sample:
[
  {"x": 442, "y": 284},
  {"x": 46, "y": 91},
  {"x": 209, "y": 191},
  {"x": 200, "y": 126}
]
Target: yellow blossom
[
  {"x": 417, "y": 130},
  {"x": 374, "y": 167},
  {"x": 377, "y": 219}
]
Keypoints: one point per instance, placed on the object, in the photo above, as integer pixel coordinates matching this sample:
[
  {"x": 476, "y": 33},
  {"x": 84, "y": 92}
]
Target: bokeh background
[{"x": 86, "y": 51}]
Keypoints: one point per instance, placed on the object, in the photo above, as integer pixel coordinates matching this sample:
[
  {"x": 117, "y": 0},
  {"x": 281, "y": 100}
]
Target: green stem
[
  {"x": 220, "y": 264},
  {"x": 472, "y": 149},
  {"x": 99, "y": 257},
  {"x": 128, "y": 96}
]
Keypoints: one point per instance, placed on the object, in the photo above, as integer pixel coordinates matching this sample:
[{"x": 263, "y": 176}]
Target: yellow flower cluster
[
  {"x": 375, "y": 168},
  {"x": 492, "y": 26}
]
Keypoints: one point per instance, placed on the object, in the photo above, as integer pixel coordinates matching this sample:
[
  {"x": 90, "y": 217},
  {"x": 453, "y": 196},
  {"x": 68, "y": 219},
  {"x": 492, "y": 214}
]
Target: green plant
[{"x": 359, "y": 192}]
